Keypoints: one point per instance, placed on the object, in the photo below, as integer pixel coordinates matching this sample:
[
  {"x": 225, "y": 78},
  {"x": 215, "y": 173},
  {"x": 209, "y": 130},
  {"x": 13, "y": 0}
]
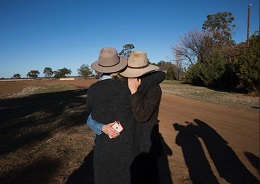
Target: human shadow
[
  {"x": 85, "y": 173},
  {"x": 224, "y": 158},
  {"x": 254, "y": 160},
  {"x": 152, "y": 166},
  {"x": 40, "y": 171},
  {"x": 199, "y": 168},
  {"x": 163, "y": 163}
]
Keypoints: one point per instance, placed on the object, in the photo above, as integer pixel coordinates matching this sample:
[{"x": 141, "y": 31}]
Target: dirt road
[{"x": 208, "y": 142}]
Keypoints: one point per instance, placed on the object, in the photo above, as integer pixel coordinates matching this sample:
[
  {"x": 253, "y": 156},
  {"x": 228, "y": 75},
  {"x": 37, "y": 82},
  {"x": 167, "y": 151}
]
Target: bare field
[{"x": 207, "y": 135}]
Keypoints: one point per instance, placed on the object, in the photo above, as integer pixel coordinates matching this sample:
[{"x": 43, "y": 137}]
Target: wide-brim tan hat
[
  {"x": 109, "y": 61},
  {"x": 138, "y": 65}
]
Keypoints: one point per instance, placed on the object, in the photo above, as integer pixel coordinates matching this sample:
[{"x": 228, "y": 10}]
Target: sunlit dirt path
[{"x": 208, "y": 142}]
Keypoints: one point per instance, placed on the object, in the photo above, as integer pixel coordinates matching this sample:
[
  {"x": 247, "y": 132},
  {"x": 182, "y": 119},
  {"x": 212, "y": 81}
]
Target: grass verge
[{"x": 209, "y": 95}]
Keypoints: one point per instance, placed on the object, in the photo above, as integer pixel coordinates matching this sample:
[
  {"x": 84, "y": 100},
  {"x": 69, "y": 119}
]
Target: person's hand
[
  {"x": 110, "y": 131},
  {"x": 133, "y": 84}
]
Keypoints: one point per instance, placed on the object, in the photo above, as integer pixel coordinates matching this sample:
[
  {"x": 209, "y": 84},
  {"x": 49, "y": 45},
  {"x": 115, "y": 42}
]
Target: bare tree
[
  {"x": 192, "y": 47},
  {"x": 178, "y": 70}
]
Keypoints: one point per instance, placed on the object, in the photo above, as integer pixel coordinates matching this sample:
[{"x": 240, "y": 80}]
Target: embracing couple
[{"x": 123, "y": 112}]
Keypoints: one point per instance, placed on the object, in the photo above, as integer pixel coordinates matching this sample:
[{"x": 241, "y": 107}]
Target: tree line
[
  {"x": 209, "y": 57},
  {"x": 83, "y": 71}
]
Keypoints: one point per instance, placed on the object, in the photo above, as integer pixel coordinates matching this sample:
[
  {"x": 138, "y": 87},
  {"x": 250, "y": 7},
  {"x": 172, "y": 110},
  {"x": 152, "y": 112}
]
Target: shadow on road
[
  {"x": 195, "y": 158},
  {"x": 85, "y": 173},
  {"x": 254, "y": 160},
  {"x": 27, "y": 124},
  {"x": 224, "y": 158},
  {"x": 39, "y": 171},
  {"x": 28, "y": 120},
  {"x": 163, "y": 164}
]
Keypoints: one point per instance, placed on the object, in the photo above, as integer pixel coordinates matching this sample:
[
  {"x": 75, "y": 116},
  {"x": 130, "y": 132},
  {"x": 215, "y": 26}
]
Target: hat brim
[
  {"x": 133, "y": 72},
  {"x": 110, "y": 69}
]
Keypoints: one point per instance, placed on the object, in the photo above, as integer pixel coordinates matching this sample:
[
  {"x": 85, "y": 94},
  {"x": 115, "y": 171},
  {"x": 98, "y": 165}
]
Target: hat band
[
  {"x": 109, "y": 65},
  {"x": 140, "y": 67}
]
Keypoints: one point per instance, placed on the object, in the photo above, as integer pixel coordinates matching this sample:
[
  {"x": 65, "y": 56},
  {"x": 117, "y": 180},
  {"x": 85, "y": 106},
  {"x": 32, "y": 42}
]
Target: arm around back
[{"x": 143, "y": 107}]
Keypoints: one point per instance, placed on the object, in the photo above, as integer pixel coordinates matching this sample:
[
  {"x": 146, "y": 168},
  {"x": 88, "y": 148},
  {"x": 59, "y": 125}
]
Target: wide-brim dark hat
[{"x": 109, "y": 61}]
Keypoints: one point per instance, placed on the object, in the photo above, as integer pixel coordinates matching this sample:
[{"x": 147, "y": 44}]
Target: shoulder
[
  {"x": 107, "y": 84},
  {"x": 151, "y": 80},
  {"x": 154, "y": 77},
  {"x": 102, "y": 83},
  {"x": 155, "y": 89}
]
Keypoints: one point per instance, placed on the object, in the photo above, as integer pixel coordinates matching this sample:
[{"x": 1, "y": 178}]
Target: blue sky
[{"x": 35, "y": 34}]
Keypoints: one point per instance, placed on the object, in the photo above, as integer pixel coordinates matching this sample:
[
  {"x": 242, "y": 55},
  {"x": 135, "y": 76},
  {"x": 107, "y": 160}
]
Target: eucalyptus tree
[
  {"x": 127, "y": 49},
  {"x": 48, "y": 72},
  {"x": 33, "y": 74},
  {"x": 84, "y": 70}
]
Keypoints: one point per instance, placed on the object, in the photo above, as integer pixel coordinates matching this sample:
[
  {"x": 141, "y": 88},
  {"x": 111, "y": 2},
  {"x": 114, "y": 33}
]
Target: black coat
[{"x": 107, "y": 101}]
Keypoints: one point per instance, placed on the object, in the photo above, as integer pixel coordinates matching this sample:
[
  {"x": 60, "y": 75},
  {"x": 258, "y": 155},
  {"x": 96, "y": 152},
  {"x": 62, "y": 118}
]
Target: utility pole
[{"x": 248, "y": 24}]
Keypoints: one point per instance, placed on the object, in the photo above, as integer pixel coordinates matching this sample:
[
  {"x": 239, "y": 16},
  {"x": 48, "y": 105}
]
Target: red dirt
[{"x": 233, "y": 132}]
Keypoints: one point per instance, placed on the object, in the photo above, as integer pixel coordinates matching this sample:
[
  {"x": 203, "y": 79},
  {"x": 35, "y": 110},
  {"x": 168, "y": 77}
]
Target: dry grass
[{"x": 209, "y": 95}]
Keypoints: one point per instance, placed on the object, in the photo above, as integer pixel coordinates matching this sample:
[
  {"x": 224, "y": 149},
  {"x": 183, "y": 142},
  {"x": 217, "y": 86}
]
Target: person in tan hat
[
  {"x": 108, "y": 64},
  {"x": 109, "y": 61},
  {"x": 145, "y": 101},
  {"x": 113, "y": 152},
  {"x": 108, "y": 101},
  {"x": 138, "y": 65}
]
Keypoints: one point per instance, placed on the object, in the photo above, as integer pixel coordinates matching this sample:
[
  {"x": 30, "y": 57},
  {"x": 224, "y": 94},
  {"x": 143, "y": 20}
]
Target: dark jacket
[
  {"x": 107, "y": 101},
  {"x": 145, "y": 106}
]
